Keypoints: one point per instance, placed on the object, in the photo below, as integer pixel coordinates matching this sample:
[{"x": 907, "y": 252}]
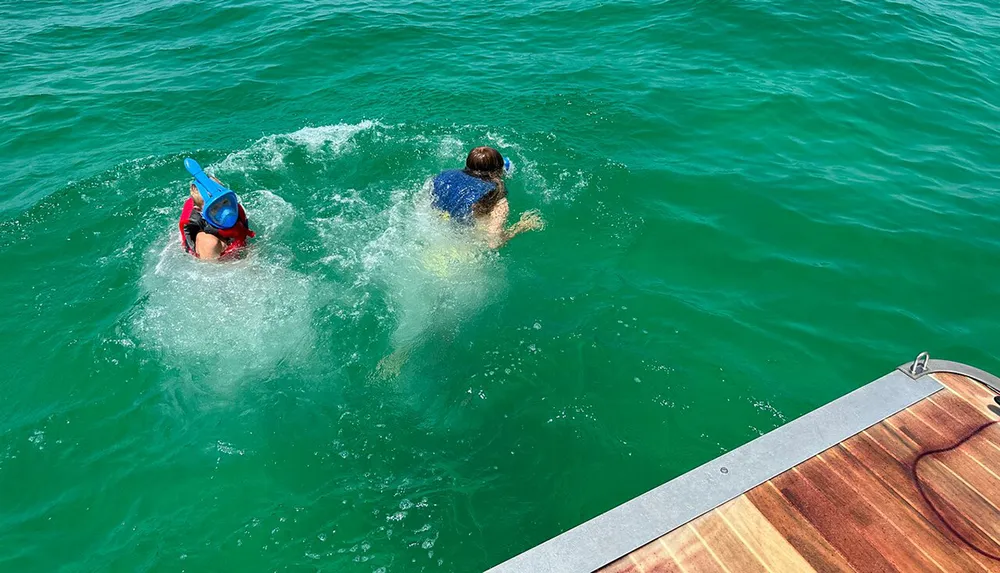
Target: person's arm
[
  {"x": 209, "y": 247},
  {"x": 497, "y": 231}
]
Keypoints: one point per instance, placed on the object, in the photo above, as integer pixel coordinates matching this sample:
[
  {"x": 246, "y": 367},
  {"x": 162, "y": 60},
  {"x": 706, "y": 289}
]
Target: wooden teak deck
[{"x": 917, "y": 491}]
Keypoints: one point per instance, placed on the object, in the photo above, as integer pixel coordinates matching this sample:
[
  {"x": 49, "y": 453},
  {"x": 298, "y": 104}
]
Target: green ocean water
[{"x": 753, "y": 208}]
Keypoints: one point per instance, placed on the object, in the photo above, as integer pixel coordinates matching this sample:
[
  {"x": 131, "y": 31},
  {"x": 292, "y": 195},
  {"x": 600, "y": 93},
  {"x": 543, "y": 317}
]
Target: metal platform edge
[{"x": 635, "y": 523}]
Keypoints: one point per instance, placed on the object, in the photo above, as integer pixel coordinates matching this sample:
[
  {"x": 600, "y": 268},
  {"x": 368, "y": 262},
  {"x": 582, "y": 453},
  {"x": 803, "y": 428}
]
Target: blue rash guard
[{"x": 455, "y": 191}]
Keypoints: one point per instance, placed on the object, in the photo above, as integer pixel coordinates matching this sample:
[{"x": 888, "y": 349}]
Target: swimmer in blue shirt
[
  {"x": 477, "y": 195},
  {"x": 474, "y": 196}
]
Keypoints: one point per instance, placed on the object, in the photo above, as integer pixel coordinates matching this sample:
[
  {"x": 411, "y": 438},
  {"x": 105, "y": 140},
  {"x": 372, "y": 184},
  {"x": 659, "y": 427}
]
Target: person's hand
[{"x": 531, "y": 221}]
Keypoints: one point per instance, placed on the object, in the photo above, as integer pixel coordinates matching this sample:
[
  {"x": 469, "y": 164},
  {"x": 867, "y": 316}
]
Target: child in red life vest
[{"x": 213, "y": 224}]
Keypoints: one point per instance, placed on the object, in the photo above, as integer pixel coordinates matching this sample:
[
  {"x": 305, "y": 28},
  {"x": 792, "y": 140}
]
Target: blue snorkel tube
[
  {"x": 507, "y": 166},
  {"x": 221, "y": 208}
]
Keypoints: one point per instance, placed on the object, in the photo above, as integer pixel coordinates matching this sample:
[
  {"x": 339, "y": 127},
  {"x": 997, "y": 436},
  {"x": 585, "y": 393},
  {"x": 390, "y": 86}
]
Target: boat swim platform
[{"x": 903, "y": 474}]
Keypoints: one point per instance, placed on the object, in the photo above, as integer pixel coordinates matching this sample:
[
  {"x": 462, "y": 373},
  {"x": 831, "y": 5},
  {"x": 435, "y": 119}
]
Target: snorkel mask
[{"x": 221, "y": 205}]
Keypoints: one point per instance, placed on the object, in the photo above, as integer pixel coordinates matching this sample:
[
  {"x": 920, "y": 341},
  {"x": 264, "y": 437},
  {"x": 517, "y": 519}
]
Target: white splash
[
  {"x": 223, "y": 323},
  {"x": 271, "y": 150},
  {"x": 436, "y": 273}
]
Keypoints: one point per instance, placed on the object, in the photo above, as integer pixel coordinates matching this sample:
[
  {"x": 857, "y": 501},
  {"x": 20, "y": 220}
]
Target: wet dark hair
[{"x": 486, "y": 163}]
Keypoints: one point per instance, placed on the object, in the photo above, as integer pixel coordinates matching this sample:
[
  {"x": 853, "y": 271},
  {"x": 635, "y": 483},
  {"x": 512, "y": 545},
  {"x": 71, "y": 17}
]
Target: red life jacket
[{"x": 235, "y": 236}]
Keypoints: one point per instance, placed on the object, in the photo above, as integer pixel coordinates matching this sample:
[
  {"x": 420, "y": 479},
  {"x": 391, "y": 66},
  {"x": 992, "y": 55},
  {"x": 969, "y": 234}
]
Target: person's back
[
  {"x": 455, "y": 192},
  {"x": 477, "y": 195},
  {"x": 213, "y": 223}
]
